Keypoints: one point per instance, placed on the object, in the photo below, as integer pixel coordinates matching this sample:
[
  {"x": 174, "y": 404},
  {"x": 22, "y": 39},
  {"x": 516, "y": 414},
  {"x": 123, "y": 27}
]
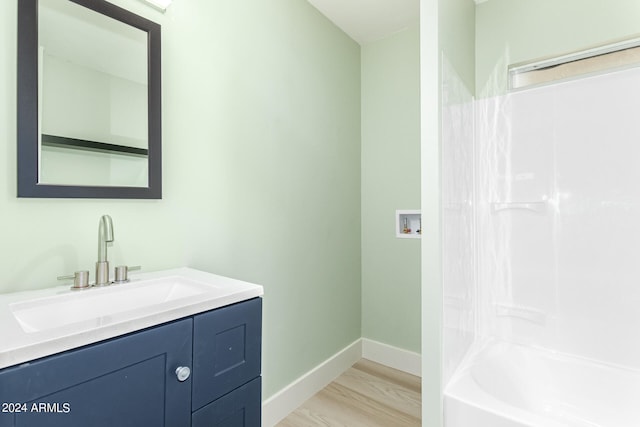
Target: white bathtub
[{"x": 507, "y": 385}]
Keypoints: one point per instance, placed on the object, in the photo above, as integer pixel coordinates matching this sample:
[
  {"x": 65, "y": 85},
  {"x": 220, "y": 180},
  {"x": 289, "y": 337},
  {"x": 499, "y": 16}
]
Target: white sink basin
[
  {"x": 36, "y": 324},
  {"x": 104, "y": 304},
  {"x": 109, "y": 304}
]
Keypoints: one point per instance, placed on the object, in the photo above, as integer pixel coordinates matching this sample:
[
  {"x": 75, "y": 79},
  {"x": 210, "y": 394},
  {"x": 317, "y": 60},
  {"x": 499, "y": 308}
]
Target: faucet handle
[
  {"x": 122, "y": 273},
  {"x": 80, "y": 279}
]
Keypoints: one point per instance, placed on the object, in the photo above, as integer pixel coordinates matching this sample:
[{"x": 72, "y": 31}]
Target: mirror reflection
[
  {"x": 89, "y": 101},
  {"x": 93, "y": 98}
]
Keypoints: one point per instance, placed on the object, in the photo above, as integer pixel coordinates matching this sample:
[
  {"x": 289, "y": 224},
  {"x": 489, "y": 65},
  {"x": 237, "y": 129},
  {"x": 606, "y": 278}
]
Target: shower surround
[{"x": 541, "y": 209}]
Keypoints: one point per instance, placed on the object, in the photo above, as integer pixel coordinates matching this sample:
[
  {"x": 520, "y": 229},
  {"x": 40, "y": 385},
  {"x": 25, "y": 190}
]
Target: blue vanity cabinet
[
  {"x": 126, "y": 381},
  {"x": 132, "y": 380}
]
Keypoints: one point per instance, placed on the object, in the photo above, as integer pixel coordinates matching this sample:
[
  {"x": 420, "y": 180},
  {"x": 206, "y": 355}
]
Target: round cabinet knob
[{"x": 183, "y": 373}]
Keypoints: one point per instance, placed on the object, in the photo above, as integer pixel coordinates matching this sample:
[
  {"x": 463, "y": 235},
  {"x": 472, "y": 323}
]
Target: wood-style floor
[{"x": 366, "y": 395}]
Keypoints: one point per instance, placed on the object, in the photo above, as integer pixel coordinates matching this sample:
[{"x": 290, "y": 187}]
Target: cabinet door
[
  {"x": 126, "y": 381},
  {"x": 227, "y": 343},
  {"x": 240, "y": 408}
]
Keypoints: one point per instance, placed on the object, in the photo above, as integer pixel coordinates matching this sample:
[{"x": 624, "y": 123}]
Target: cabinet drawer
[
  {"x": 227, "y": 345},
  {"x": 240, "y": 408}
]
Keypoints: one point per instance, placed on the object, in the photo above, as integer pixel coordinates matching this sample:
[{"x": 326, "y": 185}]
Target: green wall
[
  {"x": 457, "y": 32},
  {"x": 261, "y": 172},
  {"x": 514, "y": 31},
  {"x": 390, "y": 181}
]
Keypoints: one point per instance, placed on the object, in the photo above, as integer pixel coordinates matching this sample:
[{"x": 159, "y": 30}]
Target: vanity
[{"x": 174, "y": 348}]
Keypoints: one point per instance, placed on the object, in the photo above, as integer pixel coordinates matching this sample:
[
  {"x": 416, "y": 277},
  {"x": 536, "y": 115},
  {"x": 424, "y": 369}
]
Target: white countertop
[{"x": 19, "y": 343}]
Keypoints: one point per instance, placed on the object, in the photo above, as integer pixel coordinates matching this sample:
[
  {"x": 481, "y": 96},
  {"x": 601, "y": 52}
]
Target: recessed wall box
[{"x": 408, "y": 224}]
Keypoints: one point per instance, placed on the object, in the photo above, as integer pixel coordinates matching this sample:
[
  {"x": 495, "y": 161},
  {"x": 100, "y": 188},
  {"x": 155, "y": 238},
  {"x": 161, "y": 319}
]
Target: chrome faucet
[{"x": 105, "y": 235}]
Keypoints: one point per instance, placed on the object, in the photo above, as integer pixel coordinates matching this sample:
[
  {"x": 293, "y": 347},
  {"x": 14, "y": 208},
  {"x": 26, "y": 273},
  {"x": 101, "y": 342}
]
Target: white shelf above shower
[{"x": 408, "y": 224}]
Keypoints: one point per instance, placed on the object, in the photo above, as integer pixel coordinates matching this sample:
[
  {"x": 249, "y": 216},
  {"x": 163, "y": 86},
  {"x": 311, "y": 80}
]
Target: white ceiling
[{"x": 369, "y": 20}]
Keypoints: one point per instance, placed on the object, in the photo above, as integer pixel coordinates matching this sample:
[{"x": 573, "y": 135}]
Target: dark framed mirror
[{"x": 89, "y": 101}]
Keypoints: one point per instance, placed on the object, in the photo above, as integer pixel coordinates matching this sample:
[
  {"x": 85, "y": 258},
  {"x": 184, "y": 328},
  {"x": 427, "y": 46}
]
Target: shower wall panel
[
  {"x": 598, "y": 209},
  {"x": 458, "y": 220},
  {"x": 559, "y": 217}
]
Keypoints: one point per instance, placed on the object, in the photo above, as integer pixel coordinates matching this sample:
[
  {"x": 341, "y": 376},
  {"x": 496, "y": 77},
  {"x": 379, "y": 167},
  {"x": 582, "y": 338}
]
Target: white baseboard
[
  {"x": 394, "y": 357},
  {"x": 281, "y": 404}
]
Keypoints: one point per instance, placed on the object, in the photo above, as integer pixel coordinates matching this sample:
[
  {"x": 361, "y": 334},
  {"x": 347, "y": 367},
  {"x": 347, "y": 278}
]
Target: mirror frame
[{"x": 27, "y": 117}]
